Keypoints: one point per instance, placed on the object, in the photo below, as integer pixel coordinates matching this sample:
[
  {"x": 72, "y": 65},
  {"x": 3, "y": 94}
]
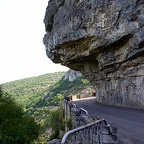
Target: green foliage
[
  {"x": 68, "y": 123},
  {"x": 66, "y": 88},
  {"x": 28, "y": 93},
  {"x": 15, "y": 126},
  {"x": 56, "y": 122},
  {"x": 49, "y": 26},
  {"x": 85, "y": 82},
  {"x": 56, "y": 100},
  {"x": 42, "y": 116}
]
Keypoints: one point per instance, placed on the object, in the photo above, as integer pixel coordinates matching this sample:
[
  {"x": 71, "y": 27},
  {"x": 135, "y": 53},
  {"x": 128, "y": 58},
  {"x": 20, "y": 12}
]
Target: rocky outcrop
[
  {"x": 71, "y": 75},
  {"x": 103, "y": 39}
]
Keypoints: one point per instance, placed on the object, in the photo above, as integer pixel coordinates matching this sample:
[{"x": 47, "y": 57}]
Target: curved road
[{"x": 130, "y": 122}]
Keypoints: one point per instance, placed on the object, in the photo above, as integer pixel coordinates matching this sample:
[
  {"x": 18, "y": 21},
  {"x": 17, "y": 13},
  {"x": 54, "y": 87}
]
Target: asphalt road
[{"x": 130, "y": 122}]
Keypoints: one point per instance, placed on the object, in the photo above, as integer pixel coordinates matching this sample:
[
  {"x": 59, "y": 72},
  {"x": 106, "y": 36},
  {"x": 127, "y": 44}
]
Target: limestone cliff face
[
  {"x": 71, "y": 75},
  {"x": 103, "y": 39}
]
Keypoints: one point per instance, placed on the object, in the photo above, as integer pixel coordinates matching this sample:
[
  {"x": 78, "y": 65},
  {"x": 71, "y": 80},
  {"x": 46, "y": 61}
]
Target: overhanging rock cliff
[{"x": 103, "y": 39}]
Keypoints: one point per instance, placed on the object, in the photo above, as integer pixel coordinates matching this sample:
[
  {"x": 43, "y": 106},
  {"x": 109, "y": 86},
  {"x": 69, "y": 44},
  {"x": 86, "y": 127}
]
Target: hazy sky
[{"x": 22, "y": 53}]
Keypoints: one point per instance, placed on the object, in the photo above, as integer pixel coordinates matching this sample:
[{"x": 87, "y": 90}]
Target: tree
[
  {"x": 15, "y": 126},
  {"x": 56, "y": 100},
  {"x": 56, "y": 122}
]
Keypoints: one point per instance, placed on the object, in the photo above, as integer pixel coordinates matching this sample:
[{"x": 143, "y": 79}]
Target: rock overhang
[{"x": 101, "y": 38}]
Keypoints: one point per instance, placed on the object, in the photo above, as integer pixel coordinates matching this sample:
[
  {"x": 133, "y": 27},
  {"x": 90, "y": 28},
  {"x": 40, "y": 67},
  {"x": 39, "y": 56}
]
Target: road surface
[{"x": 130, "y": 122}]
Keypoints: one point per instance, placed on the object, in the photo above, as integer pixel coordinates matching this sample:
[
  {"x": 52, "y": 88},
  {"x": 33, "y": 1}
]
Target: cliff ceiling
[{"x": 103, "y": 39}]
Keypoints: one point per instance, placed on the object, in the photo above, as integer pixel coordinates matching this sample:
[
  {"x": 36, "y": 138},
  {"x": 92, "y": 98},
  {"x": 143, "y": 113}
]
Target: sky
[{"x": 22, "y": 53}]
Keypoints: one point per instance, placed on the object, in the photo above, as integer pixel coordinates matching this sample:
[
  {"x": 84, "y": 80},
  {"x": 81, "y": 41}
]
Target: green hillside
[
  {"x": 42, "y": 90},
  {"x": 28, "y": 91},
  {"x": 40, "y": 96}
]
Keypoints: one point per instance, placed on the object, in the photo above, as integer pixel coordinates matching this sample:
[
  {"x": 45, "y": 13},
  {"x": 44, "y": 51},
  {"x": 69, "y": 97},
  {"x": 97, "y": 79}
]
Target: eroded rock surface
[
  {"x": 103, "y": 39},
  {"x": 71, "y": 75}
]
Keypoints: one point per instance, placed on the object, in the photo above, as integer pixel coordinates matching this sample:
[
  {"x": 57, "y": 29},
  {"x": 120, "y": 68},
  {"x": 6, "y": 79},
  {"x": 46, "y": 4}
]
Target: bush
[
  {"x": 15, "y": 126},
  {"x": 56, "y": 100},
  {"x": 56, "y": 122}
]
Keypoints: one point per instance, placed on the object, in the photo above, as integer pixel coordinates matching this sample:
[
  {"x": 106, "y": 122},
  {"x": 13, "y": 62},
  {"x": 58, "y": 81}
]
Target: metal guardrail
[
  {"x": 81, "y": 109},
  {"x": 74, "y": 105},
  {"x": 88, "y": 134},
  {"x": 86, "y": 128}
]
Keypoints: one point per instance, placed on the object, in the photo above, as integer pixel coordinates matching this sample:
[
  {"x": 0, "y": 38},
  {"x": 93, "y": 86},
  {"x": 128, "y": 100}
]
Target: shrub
[
  {"x": 56, "y": 122},
  {"x": 15, "y": 126}
]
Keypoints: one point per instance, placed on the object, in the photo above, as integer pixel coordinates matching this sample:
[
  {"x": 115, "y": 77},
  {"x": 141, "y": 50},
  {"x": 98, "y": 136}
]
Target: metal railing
[
  {"x": 88, "y": 134},
  {"x": 86, "y": 129},
  {"x": 86, "y": 112}
]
